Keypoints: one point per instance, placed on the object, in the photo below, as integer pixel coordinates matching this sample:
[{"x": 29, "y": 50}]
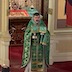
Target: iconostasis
[
  {"x": 21, "y": 8},
  {"x": 64, "y": 16},
  {"x": 27, "y": 7}
]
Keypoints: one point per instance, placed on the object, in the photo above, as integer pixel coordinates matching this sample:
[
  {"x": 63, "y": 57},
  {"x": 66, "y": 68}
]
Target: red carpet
[
  {"x": 15, "y": 62},
  {"x": 15, "y": 56}
]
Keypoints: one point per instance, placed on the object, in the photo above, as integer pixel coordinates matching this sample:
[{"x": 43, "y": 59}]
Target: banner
[{"x": 69, "y": 13}]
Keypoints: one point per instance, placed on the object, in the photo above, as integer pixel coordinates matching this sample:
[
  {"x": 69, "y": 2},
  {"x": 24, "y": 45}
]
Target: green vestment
[{"x": 36, "y": 50}]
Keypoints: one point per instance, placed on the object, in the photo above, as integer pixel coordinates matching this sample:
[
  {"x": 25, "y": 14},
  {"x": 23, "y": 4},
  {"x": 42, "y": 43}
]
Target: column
[
  {"x": 53, "y": 42},
  {"x": 51, "y": 16},
  {"x": 5, "y": 37},
  {"x": 51, "y": 21}
]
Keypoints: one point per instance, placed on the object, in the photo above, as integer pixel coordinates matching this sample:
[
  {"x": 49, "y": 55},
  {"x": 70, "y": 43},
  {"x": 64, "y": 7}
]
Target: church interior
[{"x": 14, "y": 17}]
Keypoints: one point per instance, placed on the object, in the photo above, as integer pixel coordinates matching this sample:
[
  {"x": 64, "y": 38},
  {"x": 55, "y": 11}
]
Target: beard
[{"x": 37, "y": 21}]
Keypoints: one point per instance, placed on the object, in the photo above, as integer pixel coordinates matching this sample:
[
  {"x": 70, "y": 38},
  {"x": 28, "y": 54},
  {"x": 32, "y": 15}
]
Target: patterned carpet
[{"x": 15, "y": 62}]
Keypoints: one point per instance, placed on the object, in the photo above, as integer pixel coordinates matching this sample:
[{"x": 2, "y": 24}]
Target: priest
[{"x": 35, "y": 56}]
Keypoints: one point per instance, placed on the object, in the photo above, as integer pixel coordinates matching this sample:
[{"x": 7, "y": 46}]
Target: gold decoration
[
  {"x": 40, "y": 70},
  {"x": 38, "y": 63},
  {"x": 43, "y": 43},
  {"x": 37, "y": 69},
  {"x": 50, "y": 11}
]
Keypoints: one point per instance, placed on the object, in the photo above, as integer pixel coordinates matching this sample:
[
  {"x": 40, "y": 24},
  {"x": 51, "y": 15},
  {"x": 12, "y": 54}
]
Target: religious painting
[
  {"x": 64, "y": 17},
  {"x": 21, "y": 8},
  {"x": 26, "y": 8}
]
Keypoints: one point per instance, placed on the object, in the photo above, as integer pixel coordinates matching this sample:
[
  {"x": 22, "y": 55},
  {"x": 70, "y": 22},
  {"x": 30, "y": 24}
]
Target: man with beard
[{"x": 36, "y": 46}]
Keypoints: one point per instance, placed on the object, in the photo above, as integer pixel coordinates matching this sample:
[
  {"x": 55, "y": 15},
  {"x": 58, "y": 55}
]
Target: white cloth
[{"x": 28, "y": 68}]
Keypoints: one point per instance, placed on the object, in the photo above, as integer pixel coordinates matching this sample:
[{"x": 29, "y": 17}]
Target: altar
[
  {"x": 17, "y": 27},
  {"x": 18, "y": 20}
]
